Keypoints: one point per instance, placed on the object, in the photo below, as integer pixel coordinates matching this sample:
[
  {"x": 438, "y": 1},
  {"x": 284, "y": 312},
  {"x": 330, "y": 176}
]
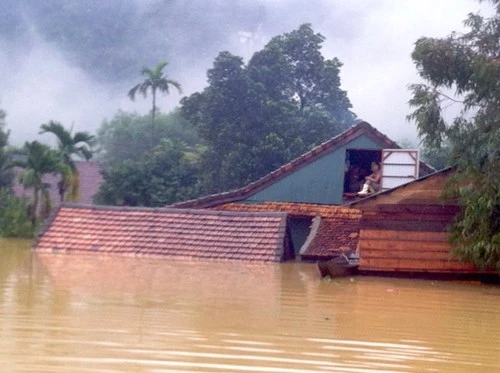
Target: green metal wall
[{"x": 319, "y": 182}]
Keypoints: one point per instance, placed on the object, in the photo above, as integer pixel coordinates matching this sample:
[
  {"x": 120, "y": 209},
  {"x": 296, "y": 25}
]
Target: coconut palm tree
[
  {"x": 39, "y": 160},
  {"x": 80, "y": 145},
  {"x": 154, "y": 81}
]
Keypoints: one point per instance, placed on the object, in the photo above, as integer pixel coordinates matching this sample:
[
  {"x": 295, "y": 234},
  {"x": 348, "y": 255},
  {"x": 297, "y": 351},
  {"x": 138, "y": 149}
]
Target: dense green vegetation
[
  {"x": 20, "y": 217},
  {"x": 39, "y": 159},
  {"x": 256, "y": 117},
  {"x": 158, "y": 178},
  {"x": 5, "y": 162},
  {"x": 126, "y": 135},
  {"x": 250, "y": 120},
  {"x": 468, "y": 66},
  {"x": 14, "y": 216}
]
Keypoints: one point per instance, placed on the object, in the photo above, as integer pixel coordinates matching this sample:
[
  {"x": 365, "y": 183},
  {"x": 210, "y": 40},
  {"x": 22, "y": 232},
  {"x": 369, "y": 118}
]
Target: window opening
[{"x": 357, "y": 166}]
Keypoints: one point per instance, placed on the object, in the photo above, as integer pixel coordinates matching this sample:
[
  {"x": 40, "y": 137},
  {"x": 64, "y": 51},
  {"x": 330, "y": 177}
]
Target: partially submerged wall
[{"x": 406, "y": 229}]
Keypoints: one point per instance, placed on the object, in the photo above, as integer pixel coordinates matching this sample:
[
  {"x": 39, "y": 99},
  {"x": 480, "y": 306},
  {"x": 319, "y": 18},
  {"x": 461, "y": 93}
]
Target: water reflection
[{"x": 61, "y": 313}]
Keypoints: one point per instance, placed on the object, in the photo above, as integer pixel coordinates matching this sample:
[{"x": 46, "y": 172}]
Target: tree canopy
[
  {"x": 14, "y": 217},
  {"x": 258, "y": 116},
  {"x": 39, "y": 159},
  {"x": 464, "y": 70},
  {"x": 6, "y": 174},
  {"x": 136, "y": 175},
  {"x": 160, "y": 177},
  {"x": 126, "y": 135}
]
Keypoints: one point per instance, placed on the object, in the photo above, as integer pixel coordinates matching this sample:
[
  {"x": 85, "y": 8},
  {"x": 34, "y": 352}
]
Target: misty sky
[{"x": 43, "y": 77}]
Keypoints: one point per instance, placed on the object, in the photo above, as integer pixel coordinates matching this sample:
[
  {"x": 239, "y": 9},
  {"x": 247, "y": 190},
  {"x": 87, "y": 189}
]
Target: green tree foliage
[
  {"x": 39, "y": 160},
  {"x": 160, "y": 177},
  {"x": 14, "y": 217},
  {"x": 126, "y": 136},
  {"x": 439, "y": 158},
  {"x": 80, "y": 145},
  {"x": 6, "y": 175},
  {"x": 154, "y": 81},
  {"x": 257, "y": 117},
  {"x": 468, "y": 66}
]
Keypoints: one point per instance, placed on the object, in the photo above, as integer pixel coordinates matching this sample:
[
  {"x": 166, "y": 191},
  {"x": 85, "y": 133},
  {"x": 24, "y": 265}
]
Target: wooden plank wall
[{"x": 408, "y": 237}]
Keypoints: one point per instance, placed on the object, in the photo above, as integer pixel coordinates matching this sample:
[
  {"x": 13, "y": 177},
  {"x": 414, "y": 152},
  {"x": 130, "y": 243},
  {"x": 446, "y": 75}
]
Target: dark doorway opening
[
  {"x": 358, "y": 166},
  {"x": 300, "y": 227}
]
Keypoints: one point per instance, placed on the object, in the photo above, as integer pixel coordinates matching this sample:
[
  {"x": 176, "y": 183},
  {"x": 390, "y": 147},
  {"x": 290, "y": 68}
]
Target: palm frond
[
  {"x": 165, "y": 84},
  {"x": 84, "y": 137},
  {"x": 56, "y": 128},
  {"x": 176, "y": 84},
  {"x": 28, "y": 178},
  {"x": 131, "y": 94},
  {"x": 158, "y": 69},
  {"x": 144, "y": 86},
  {"x": 85, "y": 152}
]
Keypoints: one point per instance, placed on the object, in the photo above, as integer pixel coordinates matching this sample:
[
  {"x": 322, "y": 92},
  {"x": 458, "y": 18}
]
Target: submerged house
[
  {"x": 312, "y": 188},
  {"x": 303, "y": 210}
]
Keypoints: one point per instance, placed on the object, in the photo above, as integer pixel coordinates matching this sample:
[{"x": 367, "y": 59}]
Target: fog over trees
[{"x": 72, "y": 60}]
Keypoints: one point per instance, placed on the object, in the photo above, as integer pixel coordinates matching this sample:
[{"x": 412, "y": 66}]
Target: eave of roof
[
  {"x": 355, "y": 204},
  {"x": 294, "y": 209}
]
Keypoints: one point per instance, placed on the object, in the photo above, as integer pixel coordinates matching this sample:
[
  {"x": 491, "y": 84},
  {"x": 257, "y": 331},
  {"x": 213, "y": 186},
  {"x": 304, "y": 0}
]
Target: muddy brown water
[{"x": 73, "y": 313}]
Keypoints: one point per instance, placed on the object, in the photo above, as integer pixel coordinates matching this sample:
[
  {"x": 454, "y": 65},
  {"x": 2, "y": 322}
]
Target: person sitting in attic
[{"x": 372, "y": 181}]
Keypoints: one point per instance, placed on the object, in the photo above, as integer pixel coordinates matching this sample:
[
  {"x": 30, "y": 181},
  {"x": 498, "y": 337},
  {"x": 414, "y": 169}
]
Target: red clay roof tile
[
  {"x": 338, "y": 229},
  {"x": 334, "y": 235},
  {"x": 172, "y": 233}
]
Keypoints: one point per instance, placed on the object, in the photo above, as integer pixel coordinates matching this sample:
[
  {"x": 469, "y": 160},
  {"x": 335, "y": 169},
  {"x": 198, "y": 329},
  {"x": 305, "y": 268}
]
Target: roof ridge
[
  {"x": 388, "y": 191},
  {"x": 190, "y": 211},
  {"x": 301, "y": 161}
]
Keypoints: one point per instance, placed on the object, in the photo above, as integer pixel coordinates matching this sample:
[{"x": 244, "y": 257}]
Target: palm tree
[
  {"x": 80, "y": 145},
  {"x": 40, "y": 160},
  {"x": 155, "y": 80}
]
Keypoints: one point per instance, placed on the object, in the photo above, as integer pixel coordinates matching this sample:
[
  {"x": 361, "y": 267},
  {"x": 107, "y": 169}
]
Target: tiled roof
[
  {"x": 172, "y": 233},
  {"x": 362, "y": 128},
  {"x": 90, "y": 179},
  {"x": 336, "y": 228},
  {"x": 333, "y": 235}
]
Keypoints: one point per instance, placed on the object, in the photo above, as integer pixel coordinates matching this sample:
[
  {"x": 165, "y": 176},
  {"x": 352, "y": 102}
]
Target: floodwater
[{"x": 71, "y": 313}]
